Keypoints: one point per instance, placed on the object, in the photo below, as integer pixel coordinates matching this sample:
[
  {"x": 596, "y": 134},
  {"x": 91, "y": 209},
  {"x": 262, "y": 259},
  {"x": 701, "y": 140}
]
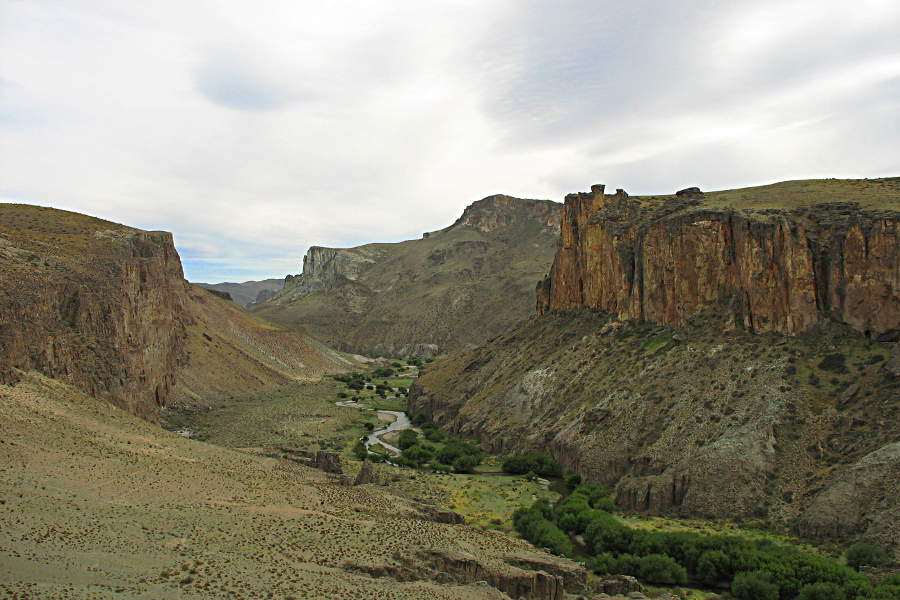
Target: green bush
[
  {"x": 465, "y": 463},
  {"x": 408, "y": 438},
  {"x": 418, "y": 454},
  {"x": 533, "y": 462},
  {"x": 360, "y": 451},
  {"x": 533, "y": 525},
  {"x": 383, "y": 372},
  {"x": 659, "y": 568},
  {"x": 440, "y": 467},
  {"x": 453, "y": 449},
  {"x": 821, "y": 591},
  {"x": 602, "y": 564},
  {"x": 713, "y": 566},
  {"x": 572, "y": 479},
  {"x": 862, "y": 554},
  {"x": 754, "y": 585}
]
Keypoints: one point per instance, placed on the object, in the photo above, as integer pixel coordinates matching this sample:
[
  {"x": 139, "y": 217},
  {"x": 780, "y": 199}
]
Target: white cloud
[{"x": 254, "y": 130}]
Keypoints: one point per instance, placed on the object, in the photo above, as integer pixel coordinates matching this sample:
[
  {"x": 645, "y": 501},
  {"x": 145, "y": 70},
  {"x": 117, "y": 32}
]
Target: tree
[
  {"x": 369, "y": 426},
  {"x": 360, "y": 450},
  {"x": 408, "y": 438},
  {"x": 713, "y": 567},
  {"x": 821, "y": 591},
  {"x": 862, "y": 554},
  {"x": 754, "y": 585},
  {"x": 465, "y": 463},
  {"x": 572, "y": 479},
  {"x": 418, "y": 454},
  {"x": 659, "y": 568}
]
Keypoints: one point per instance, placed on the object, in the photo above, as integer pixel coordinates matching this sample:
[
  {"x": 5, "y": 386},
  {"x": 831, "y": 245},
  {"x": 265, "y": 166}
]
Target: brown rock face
[
  {"x": 91, "y": 303},
  {"x": 780, "y": 270}
]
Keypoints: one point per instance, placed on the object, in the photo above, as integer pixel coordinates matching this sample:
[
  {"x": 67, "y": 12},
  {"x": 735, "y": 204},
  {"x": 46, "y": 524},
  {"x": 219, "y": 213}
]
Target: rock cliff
[
  {"x": 666, "y": 259},
  {"x": 106, "y": 308},
  {"x": 452, "y": 289},
  {"x": 729, "y": 354}
]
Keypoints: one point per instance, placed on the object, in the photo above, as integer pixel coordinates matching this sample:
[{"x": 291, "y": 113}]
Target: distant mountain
[
  {"x": 249, "y": 292},
  {"x": 452, "y": 289}
]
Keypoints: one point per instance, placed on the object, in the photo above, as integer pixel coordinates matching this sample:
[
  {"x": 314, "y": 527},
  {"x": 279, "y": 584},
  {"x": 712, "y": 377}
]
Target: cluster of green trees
[
  {"x": 539, "y": 464},
  {"x": 755, "y": 570},
  {"x": 438, "y": 450}
]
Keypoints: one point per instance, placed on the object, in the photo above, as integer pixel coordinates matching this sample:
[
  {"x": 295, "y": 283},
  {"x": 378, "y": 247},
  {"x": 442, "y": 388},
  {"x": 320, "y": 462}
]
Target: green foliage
[
  {"x": 754, "y": 585},
  {"x": 360, "y": 451},
  {"x": 714, "y": 566},
  {"x": 465, "y": 463},
  {"x": 383, "y": 372},
  {"x": 572, "y": 479},
  {"x": 369, "y": 426},
  {"x": 433, "y": 434},
  {"x": 418, "y": 454},
  {"x": 659, "y": 568},
  {"x": 602, "y": 564},
  {"x": 534, "y": 462},
  {"x": 862, "y": 554},
  {"x": 419, "y": 420},
  {"x": 533, "y": 525},
  {"x": 454, "y": 449},
  {"x": 834, "y": 363},
  {"x": 821, "y": 591},
  {"x": 408, "y": 438},
  {"x": 439, "y": 467}
]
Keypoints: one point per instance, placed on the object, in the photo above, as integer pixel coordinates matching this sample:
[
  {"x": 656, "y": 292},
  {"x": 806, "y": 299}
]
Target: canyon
[{"x": 722, "y": 354}]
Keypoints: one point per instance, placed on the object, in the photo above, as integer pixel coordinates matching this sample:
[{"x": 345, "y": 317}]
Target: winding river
[{"x": 401, "y": 422}]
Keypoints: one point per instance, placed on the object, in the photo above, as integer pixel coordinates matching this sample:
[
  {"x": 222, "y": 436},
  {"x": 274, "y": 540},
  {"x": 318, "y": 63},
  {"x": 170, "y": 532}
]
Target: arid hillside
[
  {"x": 731, "y": 354},
  {"x": 96, "y": 503},
  {"x": 452, "y": 289},
  {"x": 106, "y": 308}
]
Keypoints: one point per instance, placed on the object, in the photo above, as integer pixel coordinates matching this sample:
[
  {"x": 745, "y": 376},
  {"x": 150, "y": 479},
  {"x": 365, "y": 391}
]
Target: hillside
[
  {"x": 106, "y": 308},
  {"x": 247, "y": 293},
  {"x": 730, "y": 354},
  {"x": 452, "y": 289},
  {"x": 95, "y": 503}
]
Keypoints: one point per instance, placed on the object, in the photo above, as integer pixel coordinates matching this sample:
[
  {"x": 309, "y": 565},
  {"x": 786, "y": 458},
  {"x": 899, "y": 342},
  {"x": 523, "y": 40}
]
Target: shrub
[
  {"x": 754, "y": 585},
  {"x": 627, "y": 564},
  {"x": 408, "y": 438},
  {"x": 713, "y": 566},
  {"x": 602, "y": 564},
  {"x": 862, "y": 554},
  {"x": 360, "y": 450},
  {"x": 465, "y": 463},
  {"x": 453, "y": 449},
  {"x": 418, "y": 454},
  {"x": 659, "y": 568},
  {"x": 572, "y": 479},
  {"x": 537, "y": 463},
  {"x": 369, "y": 426},
  {"x": 833, "y": 363},
  {"x": 383, "y": 372},
  {"x": 439, "y": 467},
  {"x": 433, "y": 434},
  {"x": 821, "y": 591}
]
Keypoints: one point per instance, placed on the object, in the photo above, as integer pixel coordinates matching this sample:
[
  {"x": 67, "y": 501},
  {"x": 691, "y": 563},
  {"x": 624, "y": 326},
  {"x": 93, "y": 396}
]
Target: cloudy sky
[{"x": 255, "y": 129}]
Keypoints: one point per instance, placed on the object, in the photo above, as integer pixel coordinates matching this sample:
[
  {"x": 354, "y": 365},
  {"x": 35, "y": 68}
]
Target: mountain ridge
[{"x": 453, "y": 288}]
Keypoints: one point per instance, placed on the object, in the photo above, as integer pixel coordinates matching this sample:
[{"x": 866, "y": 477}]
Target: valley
[{"x": 700, "y": 399}]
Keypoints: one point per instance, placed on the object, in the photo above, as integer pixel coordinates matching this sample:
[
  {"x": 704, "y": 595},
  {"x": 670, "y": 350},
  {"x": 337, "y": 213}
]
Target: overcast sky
[{"x": 253, "y": 130}]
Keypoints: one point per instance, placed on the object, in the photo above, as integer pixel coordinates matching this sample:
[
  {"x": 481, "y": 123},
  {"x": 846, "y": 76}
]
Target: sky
[{"x": 253, "y": 130}]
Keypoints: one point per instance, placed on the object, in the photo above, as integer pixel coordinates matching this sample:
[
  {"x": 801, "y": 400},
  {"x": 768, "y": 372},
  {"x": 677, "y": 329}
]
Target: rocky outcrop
[
  {"x": 518, "y": 577},
  {"x": 330, "y": 462},
  {"x": 781, "y": 270},
  {"x": 724, "y": 354},
  {"x": 453, "y": 289},
  {"x": 92, "y": 303},
  {"x": 247, "y": 293},
  {"x": 106, "y": 308}
]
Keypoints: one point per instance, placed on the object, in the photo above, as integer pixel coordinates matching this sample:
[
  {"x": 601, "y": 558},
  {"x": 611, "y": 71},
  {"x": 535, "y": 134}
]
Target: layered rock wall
[
  {"x": 107, "y": 322},
  {"x": 666, "y": 260}
]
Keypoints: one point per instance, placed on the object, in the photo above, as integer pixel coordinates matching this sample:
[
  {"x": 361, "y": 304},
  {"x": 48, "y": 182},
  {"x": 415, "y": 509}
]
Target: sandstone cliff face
[
  {"x": 106, "y": 308},
  {"x": 454, "y": 288},
  {"x": 92, "y": 303},
  {"x": 727, "y": 355},
  {"x": 667, "y": 259}
]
